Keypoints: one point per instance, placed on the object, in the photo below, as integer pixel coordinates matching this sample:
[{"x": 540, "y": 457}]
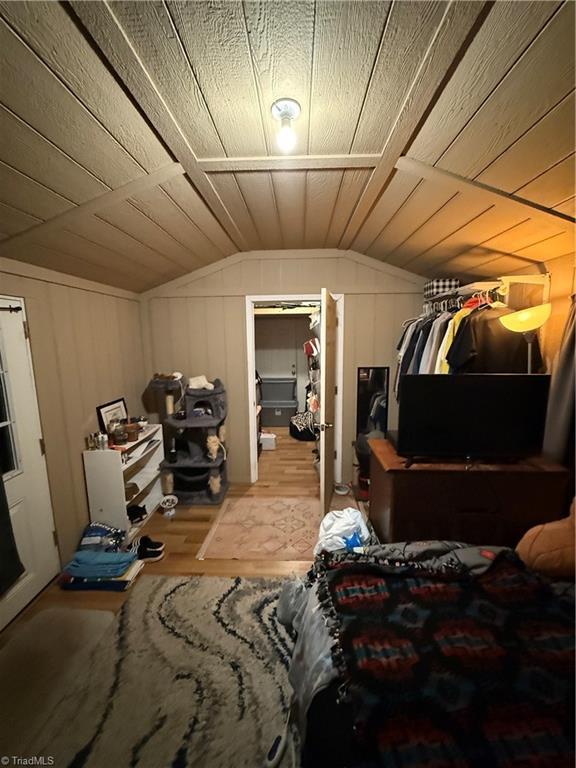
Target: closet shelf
[
  {"x": 200, "y": 422},
  {"x": 187, "y": 463}
]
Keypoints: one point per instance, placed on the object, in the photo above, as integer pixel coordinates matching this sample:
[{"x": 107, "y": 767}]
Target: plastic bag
[{"x": 339, "y": 525}]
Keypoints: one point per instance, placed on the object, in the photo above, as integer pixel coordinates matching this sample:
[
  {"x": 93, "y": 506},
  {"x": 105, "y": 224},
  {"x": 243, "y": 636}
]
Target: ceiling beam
[
  {"x": 99, "y": 20},
  {"x": 453, "y": 35},
  {"x": 107, "y": 200},
  {"x": 504, "y": 200},
  {"x": 286, "y": 163}
]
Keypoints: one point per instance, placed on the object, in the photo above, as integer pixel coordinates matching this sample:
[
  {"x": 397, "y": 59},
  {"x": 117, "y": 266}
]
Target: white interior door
[
  {"x": 23, "y": 465},
  {"x": 328, "y": 331}
]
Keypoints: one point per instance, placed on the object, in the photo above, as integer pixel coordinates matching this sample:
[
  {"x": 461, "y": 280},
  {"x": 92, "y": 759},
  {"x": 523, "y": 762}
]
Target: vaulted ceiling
[{"x": 137, "y": 142}]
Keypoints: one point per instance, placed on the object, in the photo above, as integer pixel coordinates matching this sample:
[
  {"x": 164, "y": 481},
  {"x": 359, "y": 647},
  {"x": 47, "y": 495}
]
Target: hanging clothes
[
  {"x": 442, "y": 365},
  {"x": 428, "y": 361},
  {"x": 483, "y": 345},
  {"x": 410, "y": 330},
  {"x": 423, "y": 334}
]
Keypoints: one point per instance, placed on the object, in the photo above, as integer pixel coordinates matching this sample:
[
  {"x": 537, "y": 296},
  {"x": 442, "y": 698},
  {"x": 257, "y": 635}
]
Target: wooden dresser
[{"x": 477, "y": 503}]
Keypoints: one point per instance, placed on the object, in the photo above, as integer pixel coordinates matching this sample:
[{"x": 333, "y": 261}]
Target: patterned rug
[
  {"x": 264, "y": 529},
  {"x": 192, "y": 673}
]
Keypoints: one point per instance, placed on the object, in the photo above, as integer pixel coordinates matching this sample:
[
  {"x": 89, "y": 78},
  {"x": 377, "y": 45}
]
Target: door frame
[
  {"x": 251, "y": 302},
  {"x": 18, "y": 585}
]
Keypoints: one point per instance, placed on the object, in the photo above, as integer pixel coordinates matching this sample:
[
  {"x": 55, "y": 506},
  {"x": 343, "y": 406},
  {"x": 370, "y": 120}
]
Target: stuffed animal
[{"x": 549, "y": 548}]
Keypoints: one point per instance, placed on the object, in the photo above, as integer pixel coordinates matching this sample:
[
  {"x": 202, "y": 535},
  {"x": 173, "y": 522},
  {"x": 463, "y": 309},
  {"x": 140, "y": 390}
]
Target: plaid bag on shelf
[{"x": 441, "y": 285}]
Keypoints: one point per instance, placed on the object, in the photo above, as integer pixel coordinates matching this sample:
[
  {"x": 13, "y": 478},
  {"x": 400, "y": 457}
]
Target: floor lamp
[{"x": 527, "y": 321}]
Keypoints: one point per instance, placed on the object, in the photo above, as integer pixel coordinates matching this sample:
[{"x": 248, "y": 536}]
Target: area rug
[
  {"x": 192, "y": 673},
  {"x": 264, "y": 529}
]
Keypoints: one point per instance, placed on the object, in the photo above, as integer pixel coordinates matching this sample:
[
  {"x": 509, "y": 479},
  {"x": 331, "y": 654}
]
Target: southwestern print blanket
[{"x": 442, "y": 667}]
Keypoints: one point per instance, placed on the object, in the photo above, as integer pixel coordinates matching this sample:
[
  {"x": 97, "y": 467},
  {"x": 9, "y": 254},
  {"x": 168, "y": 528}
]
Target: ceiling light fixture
[{"x": 286, "y": 110}]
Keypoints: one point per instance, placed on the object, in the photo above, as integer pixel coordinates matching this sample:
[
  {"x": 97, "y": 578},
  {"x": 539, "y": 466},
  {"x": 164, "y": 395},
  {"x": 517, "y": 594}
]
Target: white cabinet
[{"x": 109, "y": 472}]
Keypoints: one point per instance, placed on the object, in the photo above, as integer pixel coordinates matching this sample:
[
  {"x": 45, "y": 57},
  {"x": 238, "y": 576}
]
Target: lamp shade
[{"x": 528, "y": 319}]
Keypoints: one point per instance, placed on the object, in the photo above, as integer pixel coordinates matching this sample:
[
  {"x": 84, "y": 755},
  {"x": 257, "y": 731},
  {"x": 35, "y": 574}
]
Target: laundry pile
[{"x": 102, "y": 563}]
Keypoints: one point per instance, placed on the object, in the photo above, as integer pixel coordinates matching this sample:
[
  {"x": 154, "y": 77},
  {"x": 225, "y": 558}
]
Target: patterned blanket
[{"x": 445, "y": 667}]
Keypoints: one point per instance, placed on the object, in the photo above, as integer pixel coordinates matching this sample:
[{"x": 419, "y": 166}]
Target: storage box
[
  {"x": 278, "y": 388},
  {"x": 268, "y": 441},
  {"x": 441, "y": 285},
  {"x": 277, "y": 413}
]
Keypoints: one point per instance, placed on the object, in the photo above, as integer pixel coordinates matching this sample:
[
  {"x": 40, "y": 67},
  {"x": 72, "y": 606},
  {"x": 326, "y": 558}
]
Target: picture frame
[{"x": 115, "y": 409}]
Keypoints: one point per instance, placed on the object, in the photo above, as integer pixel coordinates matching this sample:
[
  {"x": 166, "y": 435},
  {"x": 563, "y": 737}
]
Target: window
[{"x": 8, "y": 453}]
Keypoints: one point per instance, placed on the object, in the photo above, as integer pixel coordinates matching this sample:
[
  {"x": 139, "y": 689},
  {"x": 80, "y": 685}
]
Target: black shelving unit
[{"x": 198, "y": 477}]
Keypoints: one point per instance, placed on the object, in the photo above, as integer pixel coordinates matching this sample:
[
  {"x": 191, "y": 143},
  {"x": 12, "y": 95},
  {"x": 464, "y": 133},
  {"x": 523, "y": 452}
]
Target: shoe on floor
[
  {"x": 153, "y": 545},
  {"x": 149, "y": 555}
]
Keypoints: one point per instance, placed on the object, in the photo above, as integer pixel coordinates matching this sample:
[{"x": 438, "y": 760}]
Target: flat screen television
[{"x": 481, "y": 416}]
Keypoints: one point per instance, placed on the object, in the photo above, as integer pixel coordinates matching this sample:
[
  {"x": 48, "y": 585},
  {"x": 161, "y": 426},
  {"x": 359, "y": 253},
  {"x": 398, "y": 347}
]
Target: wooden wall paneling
[
  {"x": 472, "y": 234},
  {"x": 51, "y": 33},
  {"x": 160, "y": 207},
  {"x": 227, "y": 188},
  {"x": 216, "y": 339},
  {"x": 322, "y": 189},
  {"x": 251, "y": 278},
  {"x": 270, "y": 275},
  {"x": 196, "y": 333},
  {"x": 13, "y": 221},
  {"x": 22, "y": 192},
  {"x": 157, "y": 266},
  {"x": 73, "y": 245},
  {"x": 551, "y": 139},
  {"x": 150, "y": 30},
  {"x": 142, "y": 76},
  {"x": 568, "y": 207},
  {"x": 161, "y": 330},
  {"x": 541, "y": 78},
  {"x": 346, "y": 42},
  {"x": 553, "y": 186},
  {"x": 351, "y": 187},
  {"x": 549, "y": 248},
  {"x": 282, "y": 60},
  {"x": 223, "y": 71},
  {"x": 453, "y": 32},
  {"x": 131, "y": 220},
  {"x": 179, "y": 339},
  {"x": 426, "y": 200},
  {"x": 71, "y": 376},
  {"x": 505, "y": 34},
  {"x": 188, "y": 200},
  {"x": 80, "y": 133},
  {"x": 235, "y": 381},
  {"x": 509, "y": 242},
  {"x": 26, "y": 150},
  {"x": 258, "y": 191},
  {"x": 290, "y": 193},
  {"x": 499, "y": 265},
  {"x": 460, "y": 209},
  {"x": 32, "y": 253},
  {"x": 410, "y": 28},
  {"x": 395, "y": 195}
]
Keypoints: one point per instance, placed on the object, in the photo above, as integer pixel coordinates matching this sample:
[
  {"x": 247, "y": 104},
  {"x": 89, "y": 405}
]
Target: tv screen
[{"x": 482, "y": 416}]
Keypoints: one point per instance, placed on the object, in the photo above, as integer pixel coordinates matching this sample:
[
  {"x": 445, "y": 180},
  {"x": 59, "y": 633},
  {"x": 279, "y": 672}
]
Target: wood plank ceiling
[{"x": 137, "y": 143}]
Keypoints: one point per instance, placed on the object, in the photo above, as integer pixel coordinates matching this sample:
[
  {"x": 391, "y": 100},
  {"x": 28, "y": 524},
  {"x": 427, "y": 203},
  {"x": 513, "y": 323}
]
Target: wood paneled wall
[
  {"x": 197, "y": 324},
  {"x": 87, "y": 349}
]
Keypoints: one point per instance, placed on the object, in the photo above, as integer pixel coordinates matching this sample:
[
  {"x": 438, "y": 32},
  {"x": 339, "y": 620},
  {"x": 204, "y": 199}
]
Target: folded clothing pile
[{"x": 91, "y": 569}]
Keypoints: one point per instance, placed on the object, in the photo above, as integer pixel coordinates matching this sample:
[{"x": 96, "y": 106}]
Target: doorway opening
[{"x": 285, "y": 361}]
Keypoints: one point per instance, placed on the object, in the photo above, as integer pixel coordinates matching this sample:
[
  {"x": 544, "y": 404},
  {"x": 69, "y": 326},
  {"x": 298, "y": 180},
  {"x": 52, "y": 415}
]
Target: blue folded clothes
[{"x": 88, "y": 564}]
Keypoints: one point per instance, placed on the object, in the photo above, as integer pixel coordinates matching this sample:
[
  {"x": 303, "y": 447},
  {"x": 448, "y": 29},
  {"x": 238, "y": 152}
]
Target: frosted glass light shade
[
  {"x": 286, "y": 137},
  {"x": 528, "y": 319}
]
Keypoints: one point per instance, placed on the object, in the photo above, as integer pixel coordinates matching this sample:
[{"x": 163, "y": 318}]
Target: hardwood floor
[{"x": 284, "y": 472}]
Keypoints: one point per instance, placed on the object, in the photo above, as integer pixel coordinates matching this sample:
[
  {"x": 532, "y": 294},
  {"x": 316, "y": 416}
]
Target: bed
[{"x": 432, "y": 654}]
